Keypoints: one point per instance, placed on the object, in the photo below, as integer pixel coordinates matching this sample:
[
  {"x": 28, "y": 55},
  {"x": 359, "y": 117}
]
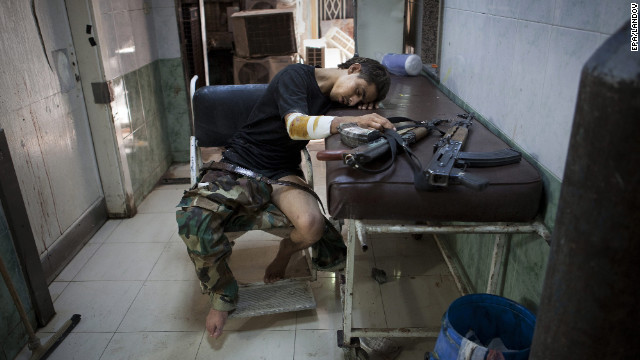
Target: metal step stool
[{"x": 282, "y": 296}]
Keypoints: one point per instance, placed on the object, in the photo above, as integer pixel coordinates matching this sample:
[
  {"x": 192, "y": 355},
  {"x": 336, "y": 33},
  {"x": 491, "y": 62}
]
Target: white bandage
[{"x": 305, "y": 127}]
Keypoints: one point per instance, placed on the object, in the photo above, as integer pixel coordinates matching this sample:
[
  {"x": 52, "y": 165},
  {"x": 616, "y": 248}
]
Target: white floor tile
[
  {"x": 153, "y": 346},
  {"x": 74, "y": 266},
  {"x": 102, "y": 305},
  {"x": 326, "y": 274},
  {"x": 178, "y": 170},
  {"x": 413, "y": 348},
  {"x": 418, "y": 301},
  {"x": 145, "y": 228},
  {"x": 283, "y": 321},
  {"x": 328, "y": 313},
  {"x": 56, "y": 288},
  {"x": 317, "y": 344},
  {"x": 76, "y": 346},
  {"x": 250, "y": 259},
  {"x": 176, "y": 237},
  {"x": 402, "y": 255},
  {"x": 257, "y": 344},
  {"x": 167, "y": 306},
  {"x": 104, "y": 232},
  {"x": 410, "y": 349},
  {"x": 174, "y": 264},
  {"x": 364, "y": 262},
  {"x": 368, "y": 310},
  {"x": 161, "y": 201},
  {"x": 398, "y": 265},
  {"x": 178, "y": 186},
  {"x": 121, "y": 261}
]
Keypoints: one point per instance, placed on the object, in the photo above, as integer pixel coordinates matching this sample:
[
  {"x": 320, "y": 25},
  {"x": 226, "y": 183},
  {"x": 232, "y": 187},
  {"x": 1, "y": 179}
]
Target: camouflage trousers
[{"x": 228, "y": 203}]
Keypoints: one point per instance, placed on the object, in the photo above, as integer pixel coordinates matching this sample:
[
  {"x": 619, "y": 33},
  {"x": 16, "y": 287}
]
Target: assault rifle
[
  {"x": 369, "y": 145},
  {"x": 448, "y": 163}
]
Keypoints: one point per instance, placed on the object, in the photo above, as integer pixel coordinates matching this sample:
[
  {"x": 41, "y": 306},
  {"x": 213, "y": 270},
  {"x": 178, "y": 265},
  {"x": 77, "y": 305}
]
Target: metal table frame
[{"x": 357, "y": 229}]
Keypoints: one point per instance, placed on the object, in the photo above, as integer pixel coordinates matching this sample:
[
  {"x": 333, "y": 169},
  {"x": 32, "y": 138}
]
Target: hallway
[{"x": 139, "y": 298}]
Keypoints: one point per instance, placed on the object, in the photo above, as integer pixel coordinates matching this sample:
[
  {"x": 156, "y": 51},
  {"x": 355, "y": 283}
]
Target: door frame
[{"x": 98, "y": 94}]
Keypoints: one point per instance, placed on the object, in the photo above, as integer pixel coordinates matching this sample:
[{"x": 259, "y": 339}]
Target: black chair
[{"x": 217, "y": 113}]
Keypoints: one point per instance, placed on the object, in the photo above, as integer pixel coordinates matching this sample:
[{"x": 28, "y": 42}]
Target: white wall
[
  {"x": 518, "y": 63},
  {"x": 379, "y": 27},
  {"x": 135, "y": 33},
  {"x": 166, "y": 28},
  {"x": 140, "y": 55},
  {"x": 43, "y": 114}
]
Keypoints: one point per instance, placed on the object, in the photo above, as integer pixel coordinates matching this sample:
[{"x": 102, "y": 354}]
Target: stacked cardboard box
[{"x": 265, "y": 43}]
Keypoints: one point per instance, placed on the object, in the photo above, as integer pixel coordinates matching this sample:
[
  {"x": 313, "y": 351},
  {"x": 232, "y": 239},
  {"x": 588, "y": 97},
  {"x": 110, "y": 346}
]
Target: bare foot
[
  {"x": 275, "y": 271},
  {"x": 215, "y": 322}
]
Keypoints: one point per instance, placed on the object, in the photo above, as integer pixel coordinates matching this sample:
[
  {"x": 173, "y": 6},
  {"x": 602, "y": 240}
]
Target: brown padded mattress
[{"x": 513, "y": 194}]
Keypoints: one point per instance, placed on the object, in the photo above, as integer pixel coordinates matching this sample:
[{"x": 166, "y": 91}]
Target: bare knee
[{"x": 309, "y": 227}]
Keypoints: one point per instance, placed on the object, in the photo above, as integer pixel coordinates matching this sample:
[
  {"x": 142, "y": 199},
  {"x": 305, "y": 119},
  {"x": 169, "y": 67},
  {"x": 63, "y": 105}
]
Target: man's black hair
[{"x": 373, "y": 72}]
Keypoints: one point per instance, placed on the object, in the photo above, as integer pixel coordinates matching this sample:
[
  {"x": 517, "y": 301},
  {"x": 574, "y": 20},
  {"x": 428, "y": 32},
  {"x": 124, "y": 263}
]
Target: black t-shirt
[{"x": 263, "y": 144}]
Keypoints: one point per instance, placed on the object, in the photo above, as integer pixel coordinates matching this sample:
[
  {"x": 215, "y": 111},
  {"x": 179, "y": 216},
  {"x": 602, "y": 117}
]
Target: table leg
[{"x": 497, "y": 261}]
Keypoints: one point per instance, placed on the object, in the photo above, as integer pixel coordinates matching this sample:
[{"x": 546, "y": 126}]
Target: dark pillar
[
  {"x": 590, "y": 305},
  {"x": 16, "y": 213}
]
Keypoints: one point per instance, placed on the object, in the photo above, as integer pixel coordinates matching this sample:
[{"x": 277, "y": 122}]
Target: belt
[{"x": 253, "y": 175}]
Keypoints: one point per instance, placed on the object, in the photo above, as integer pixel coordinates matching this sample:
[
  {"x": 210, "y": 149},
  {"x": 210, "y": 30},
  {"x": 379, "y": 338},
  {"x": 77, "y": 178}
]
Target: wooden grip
[
  {"x": 460, "y": 134},
  {"x": 330, "y": 155}
]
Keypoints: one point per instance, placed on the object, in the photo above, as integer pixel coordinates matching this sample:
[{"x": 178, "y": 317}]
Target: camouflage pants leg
[
  {"x": 226, "y": 203},
  {"x": 329, "y": 253},
  {"x": 230, "y": 203}
]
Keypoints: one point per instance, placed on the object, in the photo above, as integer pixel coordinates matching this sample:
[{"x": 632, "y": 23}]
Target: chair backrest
[{"x": 220, "y": 110}]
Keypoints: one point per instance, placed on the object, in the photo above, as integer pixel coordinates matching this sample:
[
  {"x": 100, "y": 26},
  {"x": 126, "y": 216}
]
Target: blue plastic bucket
[{"x": 489, "y": 316}]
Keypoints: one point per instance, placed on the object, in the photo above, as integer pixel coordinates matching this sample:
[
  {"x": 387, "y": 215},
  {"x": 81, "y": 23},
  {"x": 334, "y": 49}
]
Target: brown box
[
  {"x": 259, "y": 70},
  {"x": 259, "y": 33},
  {"x": 220, "y": 40},
  {"x": 260, "y": 4}
]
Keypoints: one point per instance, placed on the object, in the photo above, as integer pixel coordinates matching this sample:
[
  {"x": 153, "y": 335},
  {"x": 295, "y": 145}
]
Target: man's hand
[
  {"x": 367, "y": 121},
  {"x": 215, "y": 322},
  {"x": 368, "y": 106}
]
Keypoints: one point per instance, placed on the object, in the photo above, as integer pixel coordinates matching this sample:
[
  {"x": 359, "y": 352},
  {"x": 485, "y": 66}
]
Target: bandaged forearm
[{"x": 305, "y": 127}]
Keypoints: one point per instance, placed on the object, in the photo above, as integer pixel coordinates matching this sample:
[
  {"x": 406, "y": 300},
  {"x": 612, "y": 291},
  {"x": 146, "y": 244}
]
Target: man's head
[{"x": 372, "y": 72}]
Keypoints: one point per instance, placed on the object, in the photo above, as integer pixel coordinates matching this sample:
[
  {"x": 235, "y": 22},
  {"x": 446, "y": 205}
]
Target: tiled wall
[
  {"x": 141, "y": 53},
  {"x": 176, "y": 107},
  {"x": 139, "y": 113},
  {"x": 518, "y": 64},
  {"x": 12, "y": 332}
]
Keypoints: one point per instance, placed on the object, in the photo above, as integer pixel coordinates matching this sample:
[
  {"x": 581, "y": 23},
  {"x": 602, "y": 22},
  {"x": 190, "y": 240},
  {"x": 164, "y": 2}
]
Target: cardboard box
[
  {"x": 259, "y": 33},
  {"x": 259, "y": 70}
]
